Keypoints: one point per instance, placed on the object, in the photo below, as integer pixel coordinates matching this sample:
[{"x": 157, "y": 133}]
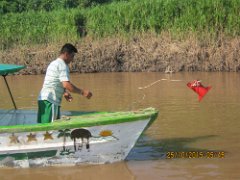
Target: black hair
[{"x": 69, "y": 48}]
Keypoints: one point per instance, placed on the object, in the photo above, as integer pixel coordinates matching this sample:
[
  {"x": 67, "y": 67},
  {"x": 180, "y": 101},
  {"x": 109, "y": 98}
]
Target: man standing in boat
[{"x": 57, "y": 84}]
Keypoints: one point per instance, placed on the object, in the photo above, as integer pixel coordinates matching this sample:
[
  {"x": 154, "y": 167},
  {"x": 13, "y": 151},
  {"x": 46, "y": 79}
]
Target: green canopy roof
[{"x": 5, "y": 69}]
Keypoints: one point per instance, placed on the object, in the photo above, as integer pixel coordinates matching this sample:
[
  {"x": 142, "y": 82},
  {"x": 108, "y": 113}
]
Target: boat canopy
[{"x": 6, "y": 69}]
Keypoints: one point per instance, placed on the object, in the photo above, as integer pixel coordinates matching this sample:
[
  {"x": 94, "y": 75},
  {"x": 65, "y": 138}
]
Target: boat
[{"x": 77, "y": 138}]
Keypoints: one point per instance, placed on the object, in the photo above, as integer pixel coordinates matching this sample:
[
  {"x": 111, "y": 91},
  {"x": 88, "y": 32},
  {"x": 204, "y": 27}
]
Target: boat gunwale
[{"x": 97, "y": 119}]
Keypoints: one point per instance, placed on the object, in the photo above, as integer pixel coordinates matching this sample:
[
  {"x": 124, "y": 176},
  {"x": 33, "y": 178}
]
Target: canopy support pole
[{"x": 9, "y": 91}]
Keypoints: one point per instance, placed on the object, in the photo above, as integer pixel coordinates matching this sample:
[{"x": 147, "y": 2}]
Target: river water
[{"x": 183, "y": 125}]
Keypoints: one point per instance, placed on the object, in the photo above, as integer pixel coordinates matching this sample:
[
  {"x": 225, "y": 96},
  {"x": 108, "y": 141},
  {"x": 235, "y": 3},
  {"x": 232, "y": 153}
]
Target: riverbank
[
  {"x": 140, "y": 53},
  {"x": 119, "y": 35}
]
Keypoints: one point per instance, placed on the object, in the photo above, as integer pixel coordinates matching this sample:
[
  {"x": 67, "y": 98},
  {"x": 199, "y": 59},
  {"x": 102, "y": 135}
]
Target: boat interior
[
  {"x": 17, "y": 117},
  {"x": 22, "y": 117}
]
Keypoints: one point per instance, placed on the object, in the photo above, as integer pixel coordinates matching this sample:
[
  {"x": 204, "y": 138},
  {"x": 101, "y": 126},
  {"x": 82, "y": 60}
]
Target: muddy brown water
[{"x": 183, "y": 125}]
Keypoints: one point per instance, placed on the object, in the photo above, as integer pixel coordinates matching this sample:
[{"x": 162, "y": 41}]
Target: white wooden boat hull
[{"x": 108, "y": 144}]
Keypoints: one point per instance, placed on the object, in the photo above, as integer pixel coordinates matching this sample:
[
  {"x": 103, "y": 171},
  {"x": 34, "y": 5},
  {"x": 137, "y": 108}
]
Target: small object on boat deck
[{"x": 64, "y": 117}]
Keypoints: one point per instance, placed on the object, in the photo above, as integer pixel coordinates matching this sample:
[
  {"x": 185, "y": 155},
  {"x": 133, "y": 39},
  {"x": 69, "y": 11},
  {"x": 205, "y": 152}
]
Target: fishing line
[
  {"x": 155, "y": 82},
  {"x": 148, "y": 86}
]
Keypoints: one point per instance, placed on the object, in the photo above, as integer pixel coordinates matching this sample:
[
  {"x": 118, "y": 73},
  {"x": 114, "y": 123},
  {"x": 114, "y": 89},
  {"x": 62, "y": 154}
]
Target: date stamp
[{"x": 195, "y": 154}]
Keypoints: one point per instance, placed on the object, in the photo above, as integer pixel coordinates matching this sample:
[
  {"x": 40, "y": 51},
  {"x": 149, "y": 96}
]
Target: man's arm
[{"x": 70, "y": 87}]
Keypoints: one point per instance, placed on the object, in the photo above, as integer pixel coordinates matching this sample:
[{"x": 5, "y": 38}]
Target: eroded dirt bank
[{"x": 140, "y": 53}]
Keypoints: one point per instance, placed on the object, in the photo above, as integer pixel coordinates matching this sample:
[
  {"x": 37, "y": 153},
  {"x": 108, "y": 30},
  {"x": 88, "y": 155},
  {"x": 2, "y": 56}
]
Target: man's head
[{"x": 67, "y": 52}]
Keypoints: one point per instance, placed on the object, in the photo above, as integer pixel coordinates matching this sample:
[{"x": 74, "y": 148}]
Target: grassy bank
[{"x": 123, "y": 18}]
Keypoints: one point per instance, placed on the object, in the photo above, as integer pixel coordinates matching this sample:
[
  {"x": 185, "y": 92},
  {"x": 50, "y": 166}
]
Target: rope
[
  {"x": 155, "y": 82},
  {"x": 147, "y": 86}
]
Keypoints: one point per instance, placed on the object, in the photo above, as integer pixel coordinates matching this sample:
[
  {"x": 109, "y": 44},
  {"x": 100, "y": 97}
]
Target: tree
[{"x": 64, "y": 133}]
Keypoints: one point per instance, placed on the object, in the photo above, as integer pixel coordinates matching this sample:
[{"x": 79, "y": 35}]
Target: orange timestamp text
[{"x": 195, "y": 154}]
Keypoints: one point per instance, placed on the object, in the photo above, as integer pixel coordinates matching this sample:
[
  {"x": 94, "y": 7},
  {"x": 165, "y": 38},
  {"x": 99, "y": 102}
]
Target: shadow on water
[{"x": 150, "y": 149}]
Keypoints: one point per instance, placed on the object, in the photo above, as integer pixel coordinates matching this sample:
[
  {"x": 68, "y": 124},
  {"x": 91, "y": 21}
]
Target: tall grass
[
  {"x": 124, "y": 18},
  {"x": 172, "y": 15},
  {"x": 32, "y": 28}
]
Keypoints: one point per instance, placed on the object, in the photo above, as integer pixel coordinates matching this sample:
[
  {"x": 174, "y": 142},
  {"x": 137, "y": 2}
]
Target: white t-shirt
[{"x": 52, "y": 89}]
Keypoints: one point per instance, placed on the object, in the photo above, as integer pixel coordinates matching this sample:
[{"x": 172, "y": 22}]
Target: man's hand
[
  {"x": 70, "y": 87},
  {"x": 68, "y": 96},
  {"x": 87, "y": 94}
]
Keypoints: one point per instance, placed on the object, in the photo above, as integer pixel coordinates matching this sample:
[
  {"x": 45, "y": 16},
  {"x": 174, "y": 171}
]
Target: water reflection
[
  {"x": 183, "y": 123},
  {"x": 116, "y": 171},
  {"x": 152, "y": 149}
]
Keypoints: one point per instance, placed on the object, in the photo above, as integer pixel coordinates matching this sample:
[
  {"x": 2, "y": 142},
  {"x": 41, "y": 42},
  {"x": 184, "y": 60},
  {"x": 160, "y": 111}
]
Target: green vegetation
[
  {"x": 19, "y": 6},
  {"x": 65, "y": 21}
]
